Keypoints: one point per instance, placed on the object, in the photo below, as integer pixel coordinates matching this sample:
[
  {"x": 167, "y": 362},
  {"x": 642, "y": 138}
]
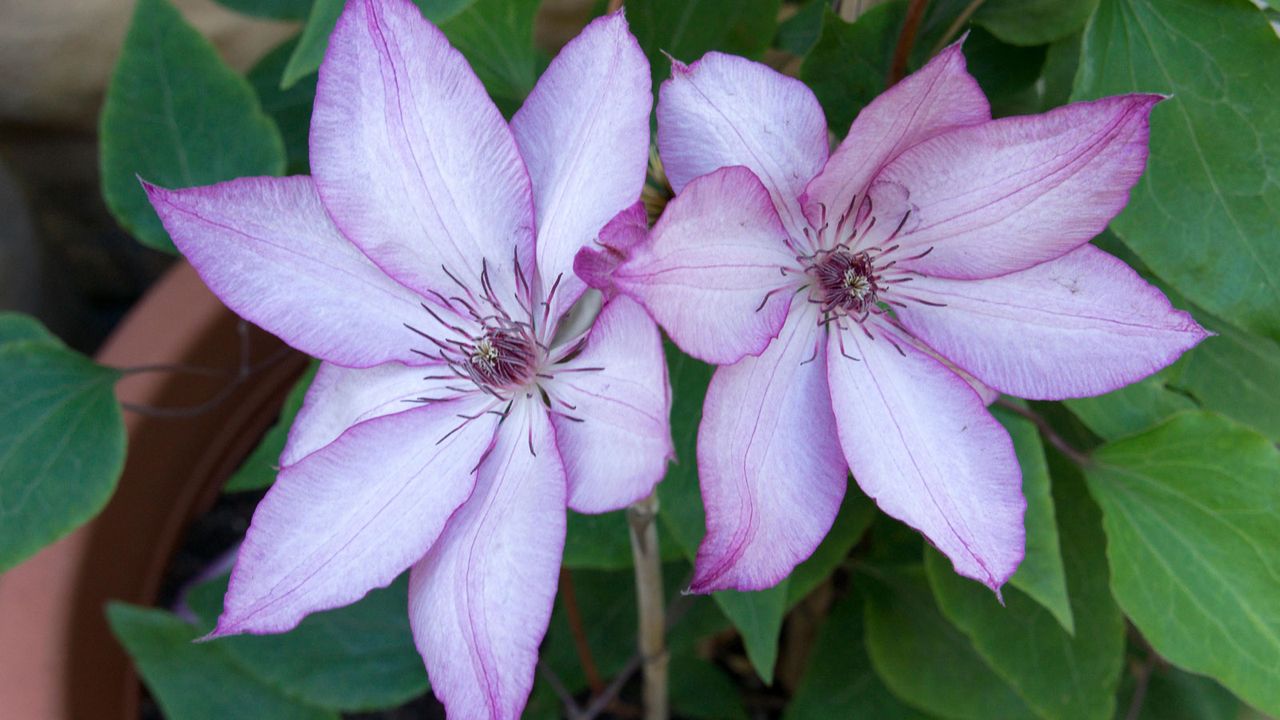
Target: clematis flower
[
  {"x": 858, "y": 304},
  {"x": 457, "y": 413}
]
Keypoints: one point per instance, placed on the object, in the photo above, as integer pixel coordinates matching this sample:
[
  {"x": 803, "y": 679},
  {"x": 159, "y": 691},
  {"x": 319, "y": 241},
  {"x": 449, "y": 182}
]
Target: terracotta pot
[{"x": 58, "y": 659}]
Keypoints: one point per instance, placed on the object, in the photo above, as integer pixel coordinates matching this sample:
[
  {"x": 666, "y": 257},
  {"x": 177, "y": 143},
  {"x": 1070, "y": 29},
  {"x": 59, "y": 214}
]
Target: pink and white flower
[
  {"x": 852, "y": 300},
  {"x": 456, "y": 415}
]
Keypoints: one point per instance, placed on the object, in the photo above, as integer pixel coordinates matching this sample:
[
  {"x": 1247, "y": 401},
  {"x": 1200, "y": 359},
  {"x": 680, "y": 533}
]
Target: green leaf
[
  {"x": 1131, "y": 408},
  {"x": 702, "y": 690},
  {"x": 1235, "y": 373},
  {"x": 1206, "y": 214},
  {"x": 598, "y": 542},
  {"x": 62, "y": 441},
  {"x": 856, "y": 513},
  {"x": 1176, "y": 695},
  {"x": 197, "y": 681},
  {"x": 839, "y": 681},
  {"x": 274, "y": 9},
  {"x": 260, "y": 468},
  {"x": 314, "y": 39},
  {"x": 1191, "y": 510},
  {"x": 312, "y": 43},
  {"x": 798, "y": 33},
  {"x": 290, "y": 109},
  {"x": 1062, "y": 59},
  {"x": 756, "y": 615},
  {"x": 846, "y": 68},
  {"x": 1034, "y": 22},
  {"x": 1232, "y": 374},
  {"x": 177, "y": 116},
  {"x": 1060, "y": 676},
  {"x": 1041, "y": 574},
  {"x": 1007, "y": 73},
  {"x": 687, "y": 29},
  {"x": 922, "y": 658},
  {"x": 15, "y": 327},
  {"x": 496, "y": 36},
  {"x": 359, "y": 657}
]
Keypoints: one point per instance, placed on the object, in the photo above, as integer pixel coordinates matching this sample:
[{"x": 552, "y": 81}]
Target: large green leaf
[
  {"x": 260, "y": 468},
  {"x": 274, "y": 9},
  {"x": 359, "y": 657},
  {"x": 496, "y": 36},
  {"x": 756, "y": 615},
  {"x": 1191, "y": 510},
  {"x": 687, "y": 29},
  {"x": 198, "y": 681},
  {"x": 314, "y": 40},
  {"x": 1033, "y": 22},
  {"x": 925, "y": 660},
  {"x": 1233, "y": 373},
  {"x": 15, "y": 327},
  {"x": 290, "y": 109},
  {"x": 1062, "y": 677},
  {"x": 177, "y": 116},
  {"x": 62, "y": 440},
  {"x": 839, "y": 681},
  {"x": 1041, "y": 574},
  {"x": 1172, "y": 694},
  {"x": 1206, "y": 214}
]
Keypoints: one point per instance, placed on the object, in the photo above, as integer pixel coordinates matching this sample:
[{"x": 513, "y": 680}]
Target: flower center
[
  {"x": 503, "y": 358},
  {"x": 845, "y": 282}
]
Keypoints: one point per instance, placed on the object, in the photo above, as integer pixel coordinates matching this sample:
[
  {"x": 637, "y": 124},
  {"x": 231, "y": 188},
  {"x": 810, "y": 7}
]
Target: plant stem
[
  {"x": 906, "y": 41},
  {"x": 1056, "y": 440},
  {"x": 650, "y": 603}
]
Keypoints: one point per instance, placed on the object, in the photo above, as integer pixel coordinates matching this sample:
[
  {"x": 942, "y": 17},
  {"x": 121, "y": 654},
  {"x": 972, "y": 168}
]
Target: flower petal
[
  {"x": 725, "y": 110},
  {"x": 938, "y": 97},
  {"x": 710, "y": 271},
  {"x": 921, "y": 442},
  {"x": 1081, "y": 325},
  {"x": 612, "y": 413},
  {"x": 584, "y": 134},
  {"x": 480, "y": 601},
  {"x": 1002, "y": 196},
  {"x": 412, "y": 158},
  {"x": 353, "y": 516},
  {"x": 626, "y": 230},
  {"x": 769, "y": 461},
  {"x": 341, "y": 397},
  {"x": 267, "y": 249}
]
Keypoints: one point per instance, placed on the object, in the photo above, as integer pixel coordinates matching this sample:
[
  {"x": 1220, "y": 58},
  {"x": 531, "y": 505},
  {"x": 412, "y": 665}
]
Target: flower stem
[
  {"x": 650, "y": 603},
  {"x": 1073, "y": 454},
  {"x": 906, "y": 41}
]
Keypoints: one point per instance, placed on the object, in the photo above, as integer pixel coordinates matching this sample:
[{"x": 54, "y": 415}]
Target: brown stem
[
  {"x": 239, "y": 376},
  {"x": 650, "y": 604},
  {"x": 1056, "y": 440},
  {"x": 569, "y": 598},
  {"x": 954, "y": 28},
  {"x": 1143, "y": 672},
  {"x": 906, "y": 41},
  {"x": 614, "y": 6}
]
